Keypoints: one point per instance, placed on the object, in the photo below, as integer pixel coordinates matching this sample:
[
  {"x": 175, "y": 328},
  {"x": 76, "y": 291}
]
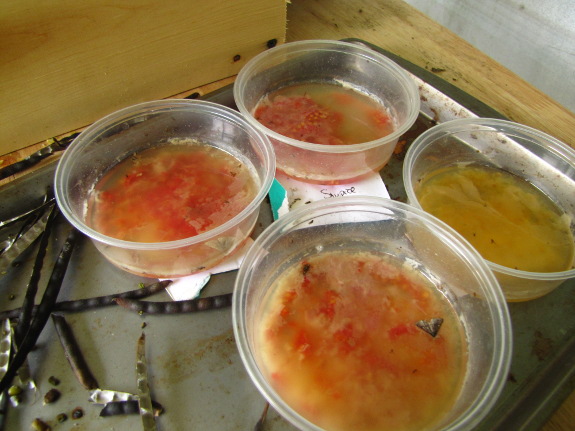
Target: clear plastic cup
[
  {"x": 329, "y": 62},
  {"x": 418, "y": 240},
  {"x": 532, "y": 155},
  {"x": 123, "y": 133}
]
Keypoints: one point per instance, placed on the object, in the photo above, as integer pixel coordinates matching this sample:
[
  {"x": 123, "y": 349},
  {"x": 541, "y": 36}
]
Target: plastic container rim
[
  {"x": 197, "y": 106},
  {"x": 409, "y": 86}
]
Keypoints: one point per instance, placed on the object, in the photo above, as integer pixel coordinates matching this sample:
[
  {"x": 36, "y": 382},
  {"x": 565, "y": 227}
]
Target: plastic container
[
  {"x": 532, "y": 155},
  {"x": 413, "y": 237},
  {"x": 151, "y": 124},
  {"x": 331, "y": 62}
]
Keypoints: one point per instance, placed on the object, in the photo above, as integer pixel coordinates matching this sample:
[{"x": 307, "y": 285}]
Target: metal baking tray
[{"x": 195, "y": 370}]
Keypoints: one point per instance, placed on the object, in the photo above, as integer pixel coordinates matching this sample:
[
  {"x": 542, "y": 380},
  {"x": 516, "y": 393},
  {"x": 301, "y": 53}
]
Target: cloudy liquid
[
  {"x": 339, "y": 343},
  {"x": 324, "y": 114},
  {"x": 507, "y": 219},
  {"x": 170, "y": 192}
]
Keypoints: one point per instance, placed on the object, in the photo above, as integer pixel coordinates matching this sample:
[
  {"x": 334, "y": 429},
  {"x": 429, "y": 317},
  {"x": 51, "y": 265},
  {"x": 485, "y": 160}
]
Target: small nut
[
  {"x": 77, "y": 413},
  {"x": 54, "y": 381},
  {"x": 51, "y": 396},
  {"x": 14, "y": 390},
  {"x": 40, "y": 425}
]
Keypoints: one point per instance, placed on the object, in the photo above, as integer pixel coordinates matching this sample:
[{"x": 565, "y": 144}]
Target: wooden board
[
  {"x": 65, "y": 64},
  {"x": 18, "y": 155}
]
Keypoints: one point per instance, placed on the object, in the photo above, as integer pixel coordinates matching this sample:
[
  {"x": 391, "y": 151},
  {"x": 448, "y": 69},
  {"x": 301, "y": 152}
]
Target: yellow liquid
[{"x": 507, "y": 219}]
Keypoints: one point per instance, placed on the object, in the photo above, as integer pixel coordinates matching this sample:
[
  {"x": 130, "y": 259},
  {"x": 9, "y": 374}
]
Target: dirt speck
[{"x": 542, "y": 346}]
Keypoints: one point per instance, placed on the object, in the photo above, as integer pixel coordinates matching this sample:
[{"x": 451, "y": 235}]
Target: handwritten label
[
  {"x": 289, "y": 193},
  {"x": 343, "y": 192}
]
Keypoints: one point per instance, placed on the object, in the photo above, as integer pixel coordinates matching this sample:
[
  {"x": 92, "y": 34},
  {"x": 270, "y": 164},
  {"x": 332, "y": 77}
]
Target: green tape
[{"x": 278, "y": 197}]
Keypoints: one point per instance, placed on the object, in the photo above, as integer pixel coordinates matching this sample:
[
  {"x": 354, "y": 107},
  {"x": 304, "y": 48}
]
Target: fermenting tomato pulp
[
  {"x": 170, "y": 192},
  {"x": 325, "y": 114},
  {"x": 340, "y": 340}
]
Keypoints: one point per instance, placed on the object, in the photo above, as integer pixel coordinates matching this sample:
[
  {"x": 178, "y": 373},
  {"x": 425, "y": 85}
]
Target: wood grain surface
[
  {"x": 17, "y": 155},
  {"x": 64, "y": 64}
]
